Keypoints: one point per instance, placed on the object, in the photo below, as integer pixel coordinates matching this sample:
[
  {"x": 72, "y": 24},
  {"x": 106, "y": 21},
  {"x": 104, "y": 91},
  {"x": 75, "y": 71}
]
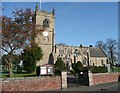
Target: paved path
[{"x": 101, "y": 87}]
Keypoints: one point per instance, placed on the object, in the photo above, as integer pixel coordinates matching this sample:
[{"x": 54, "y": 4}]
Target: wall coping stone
[
  {"x": 104, "y": 73},
  {"x": 21, "y": 78}
]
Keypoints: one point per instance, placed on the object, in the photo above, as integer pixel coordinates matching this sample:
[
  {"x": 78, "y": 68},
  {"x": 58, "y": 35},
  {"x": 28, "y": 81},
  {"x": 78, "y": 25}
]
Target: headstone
[{"x": 64, "y": 79}]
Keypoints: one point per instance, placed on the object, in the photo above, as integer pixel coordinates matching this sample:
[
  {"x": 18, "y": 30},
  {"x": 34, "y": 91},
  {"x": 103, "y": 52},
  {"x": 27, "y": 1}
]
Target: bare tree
[
  {"x": 111, "y": 46},
  {"x": 62, "y": 44},
  {"x": 100, "y": 44}
]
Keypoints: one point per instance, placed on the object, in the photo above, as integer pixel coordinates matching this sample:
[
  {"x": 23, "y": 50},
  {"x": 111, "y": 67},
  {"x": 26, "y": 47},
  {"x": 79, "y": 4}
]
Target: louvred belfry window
[{"x": 46, "y": 23}]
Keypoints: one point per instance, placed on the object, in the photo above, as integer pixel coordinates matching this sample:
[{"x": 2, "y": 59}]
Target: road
[{"x": 102, "y": 87}]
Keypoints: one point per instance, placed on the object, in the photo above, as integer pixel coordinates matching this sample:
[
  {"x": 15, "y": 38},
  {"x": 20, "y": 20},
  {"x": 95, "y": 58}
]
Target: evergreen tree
[
  {"x": 78, "y": 67},
  {"x": 60, "y": 65},
  {"x": 30, "y": 56}
]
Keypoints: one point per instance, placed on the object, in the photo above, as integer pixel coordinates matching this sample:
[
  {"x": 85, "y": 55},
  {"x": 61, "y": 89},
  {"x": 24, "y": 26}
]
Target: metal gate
[{"x": 75, "y": 81}]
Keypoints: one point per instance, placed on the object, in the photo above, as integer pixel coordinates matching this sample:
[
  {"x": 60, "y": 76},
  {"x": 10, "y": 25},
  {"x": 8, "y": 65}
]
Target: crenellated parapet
[{"x": 45, "y": 13}]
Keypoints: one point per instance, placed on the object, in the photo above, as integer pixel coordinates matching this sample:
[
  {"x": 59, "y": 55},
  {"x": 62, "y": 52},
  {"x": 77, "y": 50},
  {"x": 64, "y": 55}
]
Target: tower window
[{"x": 46, "y": 23}]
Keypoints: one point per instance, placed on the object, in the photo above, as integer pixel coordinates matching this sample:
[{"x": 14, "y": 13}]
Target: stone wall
[
  {"x": 42, "y": 83},
  {"x": 100, "y": 78}
]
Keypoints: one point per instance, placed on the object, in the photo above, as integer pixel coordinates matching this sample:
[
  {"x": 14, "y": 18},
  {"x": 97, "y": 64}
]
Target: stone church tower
[{"x": 45, "y": 39}]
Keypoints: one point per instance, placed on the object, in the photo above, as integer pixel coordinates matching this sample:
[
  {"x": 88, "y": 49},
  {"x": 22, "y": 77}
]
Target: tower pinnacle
[
  {"x": 36, "y": 7},
  {"x": 53, "y": 11}
]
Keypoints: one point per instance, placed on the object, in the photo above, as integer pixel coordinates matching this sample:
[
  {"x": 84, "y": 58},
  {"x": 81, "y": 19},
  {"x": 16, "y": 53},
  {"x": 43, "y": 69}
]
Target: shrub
[
  {"x": 72, "y": 72},
  {"x": 73, "y": 66},
  {"x": 57, "y": 73},
  {"x": 29, "y": 66},
  {"x": 38, "y": 70},
  {"x": 59, "y": 65},
  {"x": 100, "y": 69},
  {"x": 78, "y": 67}
]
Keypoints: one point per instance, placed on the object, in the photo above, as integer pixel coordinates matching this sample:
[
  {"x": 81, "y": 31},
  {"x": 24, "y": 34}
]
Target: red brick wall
[
  {"x": 104, "y": 78},
  {"x": 32, "y": 84}
]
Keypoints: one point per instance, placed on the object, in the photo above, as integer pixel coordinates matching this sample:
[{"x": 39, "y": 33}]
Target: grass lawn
[{"x": 5, "y": 74}]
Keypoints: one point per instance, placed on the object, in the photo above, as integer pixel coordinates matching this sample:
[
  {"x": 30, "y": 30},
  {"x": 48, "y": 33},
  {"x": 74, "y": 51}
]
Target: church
[{"x": 69, "y": 54}]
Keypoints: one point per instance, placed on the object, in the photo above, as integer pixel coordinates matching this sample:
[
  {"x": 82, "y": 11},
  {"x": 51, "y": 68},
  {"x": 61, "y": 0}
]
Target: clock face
[{"x": 45, "y": 33}]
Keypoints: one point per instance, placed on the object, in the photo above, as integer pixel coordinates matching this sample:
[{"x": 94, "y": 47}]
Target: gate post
[
  {"x": 64, "y": 79},
  {"x": 90, "y": 76},
  {"x": 108, "y": 67}
]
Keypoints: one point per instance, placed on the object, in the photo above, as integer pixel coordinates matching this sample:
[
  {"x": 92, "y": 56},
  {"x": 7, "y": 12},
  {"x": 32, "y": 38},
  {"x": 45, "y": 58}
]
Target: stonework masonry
[
  {"x": 45, "y": 20},
  {"x": 83, "y": 55}
]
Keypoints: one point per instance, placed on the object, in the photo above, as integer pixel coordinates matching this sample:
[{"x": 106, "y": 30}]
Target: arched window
[
  {"x": 46, "y": 23},
  {"x": 102, "y": 62}
]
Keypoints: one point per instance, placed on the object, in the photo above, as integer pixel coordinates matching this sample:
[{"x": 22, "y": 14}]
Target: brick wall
[
  {"x": 104, "y": 78},
  {"x": 32, "y": 84}
]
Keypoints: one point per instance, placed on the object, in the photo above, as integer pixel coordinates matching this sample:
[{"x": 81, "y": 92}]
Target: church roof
[{"x": 96, "y": 52}]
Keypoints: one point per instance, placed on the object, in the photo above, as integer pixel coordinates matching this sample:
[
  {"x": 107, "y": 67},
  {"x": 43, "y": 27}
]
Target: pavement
[{"x": 101, "y": 87}]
